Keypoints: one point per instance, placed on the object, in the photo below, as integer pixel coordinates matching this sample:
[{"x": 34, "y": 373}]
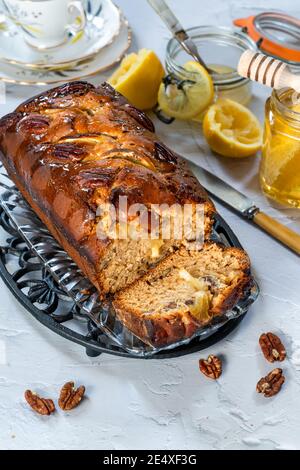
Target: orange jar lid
[{"x": 275, "y": 33}]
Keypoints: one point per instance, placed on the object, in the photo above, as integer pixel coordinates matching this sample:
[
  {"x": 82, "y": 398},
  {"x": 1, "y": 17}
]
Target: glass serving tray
[{"x": 74, "y": 285}]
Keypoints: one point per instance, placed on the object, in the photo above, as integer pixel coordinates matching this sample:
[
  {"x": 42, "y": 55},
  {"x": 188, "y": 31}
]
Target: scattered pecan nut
[
  {"x": 272, "y": 347},
  {"x": 271, "y": 384},
  {"x": 70, "y": 397},
  {"x": 43, "y": 406},
  {"x": 211, "y": 367}
]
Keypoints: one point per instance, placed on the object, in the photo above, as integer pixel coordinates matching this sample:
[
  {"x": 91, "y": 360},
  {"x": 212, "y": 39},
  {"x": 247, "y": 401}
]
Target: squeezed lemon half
[
  {"x": 187, "y": 98},
  {"x": 232, "y": 130},
  {"x": 138, "y": 78}
]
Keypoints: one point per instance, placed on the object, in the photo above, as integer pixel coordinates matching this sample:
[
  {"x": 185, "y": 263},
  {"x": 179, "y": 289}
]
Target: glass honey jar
[{"x": 280, "y": 164}]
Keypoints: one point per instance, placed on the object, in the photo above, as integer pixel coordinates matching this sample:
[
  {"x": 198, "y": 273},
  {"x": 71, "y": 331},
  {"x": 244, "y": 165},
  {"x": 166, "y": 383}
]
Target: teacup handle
[{"x": 77, "y": 5}]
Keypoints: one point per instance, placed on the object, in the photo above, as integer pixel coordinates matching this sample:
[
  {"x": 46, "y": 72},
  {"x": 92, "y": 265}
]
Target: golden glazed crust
[{"x": 76, "y": 146}]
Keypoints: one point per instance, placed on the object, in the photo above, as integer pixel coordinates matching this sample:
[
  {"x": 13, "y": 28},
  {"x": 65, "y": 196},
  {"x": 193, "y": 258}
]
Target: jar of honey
[{"x": 280, "y": 164}]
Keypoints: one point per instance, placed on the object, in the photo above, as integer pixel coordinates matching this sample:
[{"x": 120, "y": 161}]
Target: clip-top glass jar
[
  {"x": 220, "y": 48},
  {"x": 280, "y": 164}
]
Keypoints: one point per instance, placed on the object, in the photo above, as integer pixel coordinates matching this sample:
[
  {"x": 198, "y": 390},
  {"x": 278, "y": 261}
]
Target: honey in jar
[{"x": 280, "y": 165}]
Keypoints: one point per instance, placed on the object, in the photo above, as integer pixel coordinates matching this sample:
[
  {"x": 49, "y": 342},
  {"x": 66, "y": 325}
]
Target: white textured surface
[{"x": 166, "y": 404}]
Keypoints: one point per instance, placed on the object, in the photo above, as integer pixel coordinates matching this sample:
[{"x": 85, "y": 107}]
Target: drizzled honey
[{"x": 280, "y": 165}]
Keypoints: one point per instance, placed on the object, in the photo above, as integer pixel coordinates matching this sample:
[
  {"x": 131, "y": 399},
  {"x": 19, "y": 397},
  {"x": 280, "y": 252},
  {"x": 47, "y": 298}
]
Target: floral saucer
[
  {"x": 106, "y": 59},
  {"x": 103, "y": 26}
]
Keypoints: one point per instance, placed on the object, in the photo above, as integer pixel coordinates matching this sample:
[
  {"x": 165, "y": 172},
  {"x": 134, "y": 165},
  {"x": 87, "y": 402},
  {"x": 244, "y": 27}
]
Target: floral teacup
[{"x": 45, "y": 23}]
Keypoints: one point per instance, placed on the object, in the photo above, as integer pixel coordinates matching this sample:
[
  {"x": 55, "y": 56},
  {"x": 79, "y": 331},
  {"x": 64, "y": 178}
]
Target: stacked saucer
[{"x": 100, "y": 45}]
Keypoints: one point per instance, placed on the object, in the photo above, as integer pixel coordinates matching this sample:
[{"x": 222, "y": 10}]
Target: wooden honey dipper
[{"x": 267, "y": 71}]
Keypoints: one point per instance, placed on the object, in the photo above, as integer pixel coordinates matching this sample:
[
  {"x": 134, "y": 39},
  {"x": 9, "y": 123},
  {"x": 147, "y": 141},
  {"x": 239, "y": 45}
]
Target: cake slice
[{"x": 184, "y": 292}]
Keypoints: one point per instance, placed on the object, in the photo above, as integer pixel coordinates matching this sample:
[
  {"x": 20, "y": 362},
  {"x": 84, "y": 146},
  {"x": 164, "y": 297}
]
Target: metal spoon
[{"x": 178, "y": 31}]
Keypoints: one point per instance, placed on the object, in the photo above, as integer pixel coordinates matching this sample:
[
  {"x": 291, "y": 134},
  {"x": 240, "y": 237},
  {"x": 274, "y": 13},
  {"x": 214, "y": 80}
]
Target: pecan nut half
[
  {"x": 272, "y": 347},
  {"x": 271, "y": 384},
  {"x": 43, "y": 406},
  {"x": 211, "y": 367},
  {"x": 70, "y": 397}
]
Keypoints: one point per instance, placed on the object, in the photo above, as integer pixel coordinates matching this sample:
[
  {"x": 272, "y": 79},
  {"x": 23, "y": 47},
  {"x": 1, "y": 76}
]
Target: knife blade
[
  {"x": 241, "y": 204},
  {"x": 224, "y": 192}
]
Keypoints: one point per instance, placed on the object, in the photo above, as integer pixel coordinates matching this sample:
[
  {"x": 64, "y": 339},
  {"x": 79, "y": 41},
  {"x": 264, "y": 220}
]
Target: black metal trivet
[{"x": 35, "y": 289}]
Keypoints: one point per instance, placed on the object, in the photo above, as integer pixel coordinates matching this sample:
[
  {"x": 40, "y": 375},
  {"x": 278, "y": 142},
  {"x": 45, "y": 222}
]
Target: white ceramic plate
[
  {"x": 103, "y": 26},
  {"x": 108, "y": 57}
]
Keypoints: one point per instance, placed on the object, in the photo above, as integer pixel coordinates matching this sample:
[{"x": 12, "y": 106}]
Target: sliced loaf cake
[{"x": 184, "y": 292}]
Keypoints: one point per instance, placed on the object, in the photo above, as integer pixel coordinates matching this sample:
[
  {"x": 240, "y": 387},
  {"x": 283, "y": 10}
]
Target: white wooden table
[{"x": 166, "y": 404}]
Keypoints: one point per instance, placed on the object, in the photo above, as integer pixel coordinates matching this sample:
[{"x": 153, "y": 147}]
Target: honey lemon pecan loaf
[
  {"x": 184, "y": 292},
  {"x": 77, "y": 147}
]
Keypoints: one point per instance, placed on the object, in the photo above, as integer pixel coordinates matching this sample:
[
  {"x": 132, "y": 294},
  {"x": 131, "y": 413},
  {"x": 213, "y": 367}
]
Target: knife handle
[{"x": 282, "y": 233}]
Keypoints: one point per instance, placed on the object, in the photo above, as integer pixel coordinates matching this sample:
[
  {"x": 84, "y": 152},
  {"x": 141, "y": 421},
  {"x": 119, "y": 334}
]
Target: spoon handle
[
  {"x": 166, "y": 15},
  {"x": 177, "y": 30}
]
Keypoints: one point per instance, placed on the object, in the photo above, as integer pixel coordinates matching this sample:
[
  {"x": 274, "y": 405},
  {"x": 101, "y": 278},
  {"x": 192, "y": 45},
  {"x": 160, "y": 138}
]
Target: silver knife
[
  {"x": 237, "y": 201},
  {"x": 174, "y": 25}
]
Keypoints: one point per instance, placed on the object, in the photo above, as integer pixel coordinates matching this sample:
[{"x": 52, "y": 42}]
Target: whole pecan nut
[
  {"x": 34, "y": 123},
  {"x": 271, "y": 384},
  {"x": 72, "y": 88},
  {"x": 164, "y": 154},
  {"x": 43, "y": 406},
  {"x": 272, "y": 347},
  {"x": 70, "y": 397},
  {"x": 211, "y": 367},
  {"x": 140, "y": 117},
  {"x": 68, "y": 151}
]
